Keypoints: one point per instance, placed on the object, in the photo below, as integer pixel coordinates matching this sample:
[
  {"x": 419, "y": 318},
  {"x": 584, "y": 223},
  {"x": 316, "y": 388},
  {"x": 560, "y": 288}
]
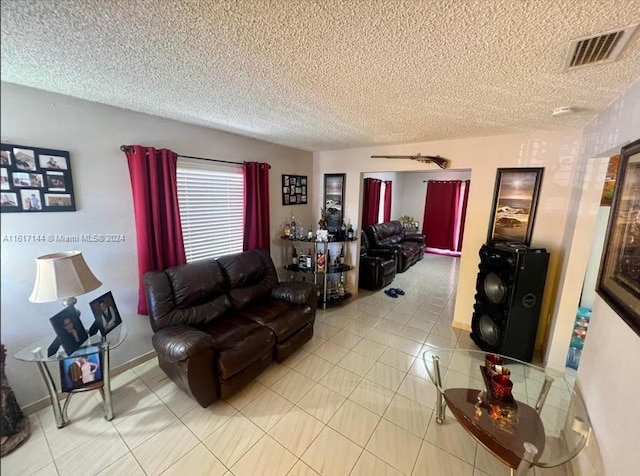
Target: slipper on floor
[
  {"x": 391, "y": 292},
  {"x": 398, "y": 291}
]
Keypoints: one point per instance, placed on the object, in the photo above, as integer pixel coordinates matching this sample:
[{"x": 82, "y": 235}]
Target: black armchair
[{"x": 377, "y": 266}]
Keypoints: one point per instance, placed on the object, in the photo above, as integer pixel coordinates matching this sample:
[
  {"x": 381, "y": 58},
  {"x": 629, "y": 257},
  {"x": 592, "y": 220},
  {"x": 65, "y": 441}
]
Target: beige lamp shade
[{"x": 61, "y": 276}]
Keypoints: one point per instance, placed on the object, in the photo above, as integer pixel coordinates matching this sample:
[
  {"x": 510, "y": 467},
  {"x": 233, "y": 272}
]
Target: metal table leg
[
  {"x": 440, "y": 399},
  {"x": 546, "y": 386},
  {"x": 530, "y": 451},
  {"x": 53, "y": 394},
  {"x": 106, "y": 389}
]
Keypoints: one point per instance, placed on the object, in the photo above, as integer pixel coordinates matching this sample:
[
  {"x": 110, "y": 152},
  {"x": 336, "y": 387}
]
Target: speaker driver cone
[
  {"x": 494, "y": 288},
  {"x": 489, "y": 330}
]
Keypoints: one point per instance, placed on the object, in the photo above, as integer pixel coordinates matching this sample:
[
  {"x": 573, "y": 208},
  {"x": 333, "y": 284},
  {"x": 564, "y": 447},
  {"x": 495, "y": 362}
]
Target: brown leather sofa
[
  {"x": 391, "y": 235},
  {"x": 377, "y": 266},
  {"x": 219, "y": 323}
]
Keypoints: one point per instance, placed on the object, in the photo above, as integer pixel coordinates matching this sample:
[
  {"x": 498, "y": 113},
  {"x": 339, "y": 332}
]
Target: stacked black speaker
[{"x": 509, "y": 292}]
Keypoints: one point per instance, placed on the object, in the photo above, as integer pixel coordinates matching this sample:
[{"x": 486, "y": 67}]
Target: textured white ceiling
[{"x": 324, "y": 74}]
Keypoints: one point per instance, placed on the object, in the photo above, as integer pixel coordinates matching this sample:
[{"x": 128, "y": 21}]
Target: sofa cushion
[
  {"x": 282, "y": 317},
  {"x": 239, "y": 342},
  {"x": 251, "y": 275},
  {"x": 193, "y": 294}
]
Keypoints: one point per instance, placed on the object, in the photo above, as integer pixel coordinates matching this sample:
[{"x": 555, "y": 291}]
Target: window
[{"x": 211, "y": 208}]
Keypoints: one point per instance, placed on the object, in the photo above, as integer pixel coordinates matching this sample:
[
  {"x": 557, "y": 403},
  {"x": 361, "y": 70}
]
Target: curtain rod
[{"x": 127, "y": 148}]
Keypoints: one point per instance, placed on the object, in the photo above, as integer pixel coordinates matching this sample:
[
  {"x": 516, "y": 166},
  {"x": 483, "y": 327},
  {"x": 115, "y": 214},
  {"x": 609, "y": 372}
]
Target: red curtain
[
  {"x": 387, "y": 200},
  {"x": 371, "y": 201},
  {"x": 444, "y": 213},
  {"x": 256, "y": 205},
  {"x": 156, "y": 210}
]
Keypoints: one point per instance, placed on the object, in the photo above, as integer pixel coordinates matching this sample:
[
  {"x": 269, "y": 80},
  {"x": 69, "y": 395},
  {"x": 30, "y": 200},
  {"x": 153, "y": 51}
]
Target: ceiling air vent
[{"x": 601, "y": 48}]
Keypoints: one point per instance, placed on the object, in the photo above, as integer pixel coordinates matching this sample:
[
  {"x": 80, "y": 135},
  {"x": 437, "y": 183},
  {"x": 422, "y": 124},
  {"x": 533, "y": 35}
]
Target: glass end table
[
  {"x": 37, "y": 353},
  {"x": 544, "y": 423}
]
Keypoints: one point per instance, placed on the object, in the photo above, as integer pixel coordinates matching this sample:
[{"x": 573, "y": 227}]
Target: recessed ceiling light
[{"x": 563, "y": 111}]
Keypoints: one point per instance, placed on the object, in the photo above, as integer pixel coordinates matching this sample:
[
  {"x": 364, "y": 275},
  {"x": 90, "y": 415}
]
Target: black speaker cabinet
[{"x": 509, "y": 292}]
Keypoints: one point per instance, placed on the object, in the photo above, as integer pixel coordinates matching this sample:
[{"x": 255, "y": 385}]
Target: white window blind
[{"x": 210, "y": 198}]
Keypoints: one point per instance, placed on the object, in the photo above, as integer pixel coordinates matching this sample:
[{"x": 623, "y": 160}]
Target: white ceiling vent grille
[{"x": 601, "y": 48}]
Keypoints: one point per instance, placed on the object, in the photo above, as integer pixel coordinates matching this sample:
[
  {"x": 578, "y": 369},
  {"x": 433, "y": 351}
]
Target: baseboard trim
[
  {"x": 38, "y": 405},
  {"x": 461, "y": 325}
]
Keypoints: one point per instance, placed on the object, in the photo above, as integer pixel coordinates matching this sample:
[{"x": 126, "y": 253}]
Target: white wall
[
  {"x": 556, "y": 151},
  {"x": 593, "y": 266},
  {"x": 93, "y": 133},
  {"x": 610, "y": 362}
]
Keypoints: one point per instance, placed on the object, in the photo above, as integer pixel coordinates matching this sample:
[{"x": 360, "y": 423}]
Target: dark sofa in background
[
  {"x": 219, "y": 323},
  {"x": 392, "y": 235},
  {"x": 377, "y": 266}
]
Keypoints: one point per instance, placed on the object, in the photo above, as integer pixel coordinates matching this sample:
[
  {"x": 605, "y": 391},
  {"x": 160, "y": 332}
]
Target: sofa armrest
[
  {"x": 181, "y": 343},
  {"x": 386, "y": 253},
  {"x": 294, "y": 291},
  {"x": 411, "y": 236}
]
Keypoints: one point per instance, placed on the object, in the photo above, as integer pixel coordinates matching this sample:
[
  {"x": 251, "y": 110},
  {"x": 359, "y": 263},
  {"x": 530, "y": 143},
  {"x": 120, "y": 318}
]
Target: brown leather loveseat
[
  {"x": 391, "y": 235},
  {"x": 219, "y": 323}
]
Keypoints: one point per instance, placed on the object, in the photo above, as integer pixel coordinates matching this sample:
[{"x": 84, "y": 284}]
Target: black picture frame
[
  {"x": 64, "y": 324},
  {"x": 515, "y": 200},
  {"x": 105, "y": 312},
  {"x": 619, "y": 275},
  {"x": 83, "y": 370},
  {"x": 334, "y": 200},
  {"x": 294, "y": 189},
  {"x": 34, "y": 179}
]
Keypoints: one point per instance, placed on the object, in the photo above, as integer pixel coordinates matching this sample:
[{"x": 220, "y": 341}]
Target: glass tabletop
[
  {"x": 552, "y": 416},
  {"x": 37, "y": 352}
]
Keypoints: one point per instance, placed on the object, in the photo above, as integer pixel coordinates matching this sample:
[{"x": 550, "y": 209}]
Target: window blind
[{"x": 211, "y": 208}]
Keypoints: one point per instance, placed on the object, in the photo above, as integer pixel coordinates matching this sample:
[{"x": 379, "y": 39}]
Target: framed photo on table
[
  {"x": 82, "y": 370},
  {"x": 334, "y": 200},
  {"x": 619, "y": 277},
  {"x": 69, "y": 329},
  {"x": 515, "y": 201},
  {"x": 105, "y": 313}
]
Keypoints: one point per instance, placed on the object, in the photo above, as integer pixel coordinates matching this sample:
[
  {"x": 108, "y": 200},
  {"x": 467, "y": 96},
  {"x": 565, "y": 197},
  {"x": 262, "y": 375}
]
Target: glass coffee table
[
  {"x": 37, "y": 353},
  {"x": 544, "y": 423}
]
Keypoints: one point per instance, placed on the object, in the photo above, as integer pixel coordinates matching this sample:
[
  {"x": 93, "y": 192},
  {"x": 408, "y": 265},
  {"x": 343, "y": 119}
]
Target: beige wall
[
  {"x": 93, "y": 133},
  {"x": 556, "y": 151},
  {"x": 610, "y": 362}
]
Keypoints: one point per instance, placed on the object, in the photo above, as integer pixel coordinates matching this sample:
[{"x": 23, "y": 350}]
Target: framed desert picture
[
  {"x": 36, "y": 180},
  {"x": 514, "y": 205},
  {"x": 619, "y": 278}
]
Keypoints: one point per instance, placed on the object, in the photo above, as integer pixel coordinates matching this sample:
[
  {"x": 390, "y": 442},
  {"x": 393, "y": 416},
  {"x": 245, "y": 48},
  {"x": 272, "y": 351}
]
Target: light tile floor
[{"x": 354, "y": 401}]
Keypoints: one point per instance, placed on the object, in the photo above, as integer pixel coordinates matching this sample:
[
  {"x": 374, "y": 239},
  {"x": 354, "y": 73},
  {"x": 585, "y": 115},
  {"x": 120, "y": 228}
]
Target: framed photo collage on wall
[{"x": 35, "y": 180}]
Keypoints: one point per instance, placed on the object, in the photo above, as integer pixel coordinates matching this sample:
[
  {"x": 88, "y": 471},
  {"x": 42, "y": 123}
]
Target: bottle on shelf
[
  {"x": 309, "y": 259},
  {"x": 328, "y": 259},
  {"x": 343, "y": 231},
  {"x": 341, "y": 289},
  {"x": 293, "y": 227},
  {"x": 320, "y": 261},
  {"x": 350, "y": 232},
  {"x": 340, "y": 259},
  {"x": 287, "y": 230},
  {"x": 310, "y": 235},
  {"x": 294, "y": 257}
]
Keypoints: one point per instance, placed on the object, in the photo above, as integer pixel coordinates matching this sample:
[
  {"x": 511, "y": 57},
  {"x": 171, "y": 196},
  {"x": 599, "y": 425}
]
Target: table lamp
[{"x": 62, "y": 276}]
